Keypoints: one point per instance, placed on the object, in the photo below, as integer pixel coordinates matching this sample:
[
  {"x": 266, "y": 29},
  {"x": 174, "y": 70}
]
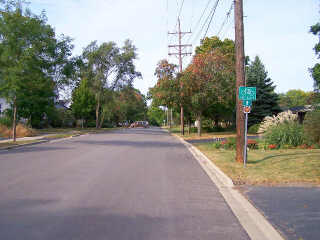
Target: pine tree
[{"x": 266, "y": 103}]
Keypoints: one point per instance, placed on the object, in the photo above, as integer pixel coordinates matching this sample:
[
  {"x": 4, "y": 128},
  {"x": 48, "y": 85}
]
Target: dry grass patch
[
  {"x": 21, "y": 130},
  {"x": 273, "y": 167}
]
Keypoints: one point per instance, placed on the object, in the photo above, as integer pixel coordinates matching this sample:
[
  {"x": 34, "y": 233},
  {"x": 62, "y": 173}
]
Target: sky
[{"x": 277, "y": 31}]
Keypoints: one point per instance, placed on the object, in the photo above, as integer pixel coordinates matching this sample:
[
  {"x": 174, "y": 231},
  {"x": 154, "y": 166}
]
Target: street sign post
[
  {"x": 247, "y": 95},
  {"x": 246, "y": 103}
]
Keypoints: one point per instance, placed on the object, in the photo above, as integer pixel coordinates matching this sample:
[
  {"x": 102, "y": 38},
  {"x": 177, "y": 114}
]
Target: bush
[
  {"x": 254, "y": 129},
  {"x": 21, "y": 130},
  {"x": 312, "y": 126},
  {"x": 281, "y": 118},
  {"x": 285, "y": 134},
  {"x": 5, "y": 121}
]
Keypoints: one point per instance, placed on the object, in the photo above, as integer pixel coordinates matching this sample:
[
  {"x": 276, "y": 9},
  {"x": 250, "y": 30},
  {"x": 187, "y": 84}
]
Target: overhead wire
[
  {"x": 226, "y": 18},
  {"x": 210, "y": 16},
  {"x": 214, "y": 11},
  {"x": 199, "y": 21}
]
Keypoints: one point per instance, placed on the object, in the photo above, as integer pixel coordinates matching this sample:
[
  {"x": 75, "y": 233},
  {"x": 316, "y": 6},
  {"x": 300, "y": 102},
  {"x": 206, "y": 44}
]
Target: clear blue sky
[{"x": 277, "y": 31}]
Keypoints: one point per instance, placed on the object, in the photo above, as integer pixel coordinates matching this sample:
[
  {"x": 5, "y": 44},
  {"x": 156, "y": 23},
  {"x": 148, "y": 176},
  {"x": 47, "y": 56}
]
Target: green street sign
[
  {"x": 247, "y": 93},
  {"x": 246, "y": 103}
]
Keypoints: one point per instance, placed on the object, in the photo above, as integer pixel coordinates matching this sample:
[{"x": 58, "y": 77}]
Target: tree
[
  {"x": 315, "y": 71},
  {"x": 108, "y": 68},
  {"x": 156, "y": 115},
  {"x": 83, "y": 101},
  {"x": 266, "y": 103},
  {"x": 211, "y": 79},
  {"x": 294, "y": 98},
  {"x": 29, "y": 53}
]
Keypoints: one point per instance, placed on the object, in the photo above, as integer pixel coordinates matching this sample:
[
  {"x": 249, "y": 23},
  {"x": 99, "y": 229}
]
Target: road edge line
[{"x": 253, "y": 222}]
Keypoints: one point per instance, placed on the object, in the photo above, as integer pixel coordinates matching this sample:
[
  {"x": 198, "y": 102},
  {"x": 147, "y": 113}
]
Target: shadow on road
[
  {"x": 139, "y": 144},
  {"x": 32, "y": 220}
]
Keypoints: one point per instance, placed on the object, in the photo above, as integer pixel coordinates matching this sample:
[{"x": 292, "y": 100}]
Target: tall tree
[
  {"x": 266, "y": 103},
  {"x": 29, "y": 53},
  {"x": 83, "y": 101},
  {"x": 109, "y": 68},
  {"x": 315, "y": 71}
]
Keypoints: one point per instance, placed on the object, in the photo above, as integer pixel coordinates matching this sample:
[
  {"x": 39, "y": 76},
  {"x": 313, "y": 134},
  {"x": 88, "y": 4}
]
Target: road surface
[{"x": 133, "y": 184}]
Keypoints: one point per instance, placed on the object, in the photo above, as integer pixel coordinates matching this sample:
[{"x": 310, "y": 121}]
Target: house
[
  {"x": 4, "y": 105},
  {"x": 301, "y": 111}
]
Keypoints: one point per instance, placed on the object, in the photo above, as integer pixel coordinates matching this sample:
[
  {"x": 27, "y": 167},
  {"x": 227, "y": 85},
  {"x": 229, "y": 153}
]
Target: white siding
[{"x": 4, "y": 104}]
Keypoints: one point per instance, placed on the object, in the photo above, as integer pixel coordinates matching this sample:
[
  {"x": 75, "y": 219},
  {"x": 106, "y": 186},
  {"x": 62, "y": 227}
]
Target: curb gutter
[{"x": 254, "y": 223}]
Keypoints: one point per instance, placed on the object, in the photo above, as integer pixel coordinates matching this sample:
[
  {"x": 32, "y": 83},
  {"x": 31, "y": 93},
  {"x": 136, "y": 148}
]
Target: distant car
[{"x": 136, "y": 124}]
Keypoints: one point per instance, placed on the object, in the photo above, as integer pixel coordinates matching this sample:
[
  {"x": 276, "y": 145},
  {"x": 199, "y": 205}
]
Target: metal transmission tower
[{"x": 180, "y": 47}]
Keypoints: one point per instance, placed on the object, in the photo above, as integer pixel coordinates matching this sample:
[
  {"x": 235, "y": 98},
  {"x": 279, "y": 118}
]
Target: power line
[
  {"x": 180, "y": 8},
  {"x": 207, "y": 19},
  {"x": 226, "y": 19},
  {"x": 214, "y": 11},
  {"x": 198, "y": 23}
]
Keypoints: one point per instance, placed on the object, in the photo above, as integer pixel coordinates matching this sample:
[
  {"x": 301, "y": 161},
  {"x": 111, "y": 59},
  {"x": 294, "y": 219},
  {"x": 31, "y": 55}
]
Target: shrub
[
  {"x": 5, "y": 121},
  {"x": 285, "y": 134},
  {"x": 21, "y": 130},
  {"x": 254, "y": 129},
  {"x": 312, "y": 126},
  {"x": 283, "y": 117}
]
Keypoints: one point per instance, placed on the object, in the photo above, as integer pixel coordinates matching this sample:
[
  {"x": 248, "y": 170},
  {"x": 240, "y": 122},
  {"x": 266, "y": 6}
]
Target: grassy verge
[
  {"x": 273, "y": 167},
  {"x": 18, "y": 143},
  {"x": 204, "y": 135}
]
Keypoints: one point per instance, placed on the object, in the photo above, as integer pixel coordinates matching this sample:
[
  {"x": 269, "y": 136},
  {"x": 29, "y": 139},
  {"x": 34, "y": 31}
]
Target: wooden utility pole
[
  {"x": 180, "y": 54},
  {"x": 240, "y": 76}
]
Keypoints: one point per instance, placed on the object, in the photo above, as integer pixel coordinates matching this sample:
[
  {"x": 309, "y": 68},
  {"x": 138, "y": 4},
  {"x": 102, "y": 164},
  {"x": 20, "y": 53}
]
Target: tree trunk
[
  {"x": 182, "y": 120},
  {"x": 97, "y": 113},
  {"x": 189, "y": 126},
  {"x": 199, "y": 125},
  {"x": 101, "y": 120},
  {"x": 14, "y": 125}
]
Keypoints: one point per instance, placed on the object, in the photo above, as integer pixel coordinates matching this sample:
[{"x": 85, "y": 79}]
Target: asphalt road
[
  {"x": 133, "y": 184},
  {"x": 295, "y": 211}
]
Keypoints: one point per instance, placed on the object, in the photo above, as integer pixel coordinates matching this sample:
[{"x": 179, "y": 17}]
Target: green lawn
[
  {"x": 272, "y": 167},
  {"x": 204, "y": 135}
]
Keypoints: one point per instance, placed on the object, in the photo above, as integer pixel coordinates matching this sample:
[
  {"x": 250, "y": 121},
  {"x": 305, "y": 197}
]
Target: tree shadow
[
  {"x": 275, "y": 156},
  {"x": 138, "y": 144}
]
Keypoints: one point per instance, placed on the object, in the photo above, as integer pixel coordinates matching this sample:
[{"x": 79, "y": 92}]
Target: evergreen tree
[{"x": 266, "y": 103}]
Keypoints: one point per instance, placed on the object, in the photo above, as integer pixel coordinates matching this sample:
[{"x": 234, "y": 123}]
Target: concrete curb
[{"x": 254, "y": 223}]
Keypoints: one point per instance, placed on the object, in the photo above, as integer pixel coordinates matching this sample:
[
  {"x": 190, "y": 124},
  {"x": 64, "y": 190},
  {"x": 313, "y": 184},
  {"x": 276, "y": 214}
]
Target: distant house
[
  {"x": 61, "y": 104},
  {"x": 301, "y": 111},
  {"x": 4, "y": 105}
]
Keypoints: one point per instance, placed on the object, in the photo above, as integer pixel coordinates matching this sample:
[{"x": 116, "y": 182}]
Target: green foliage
[
  {"x": 83, "y": 101},
  {"x": 294, "y": 98},
  {"x": 6, "y": 121},
  {"x": 266, "y": 103},
  {"x": 285, "y": 134},
  {"x": 312, "y": 126},
  {"x": 155, "y": 115},
  {"x": 34, "y": 62},
  {"x": 63, "y": 118},
  {"x": 108, "y": 68},
  {"x": 228, "y": 144},
  {"x": 315, "y": 71},
  {"x": 254, "y": 129}
]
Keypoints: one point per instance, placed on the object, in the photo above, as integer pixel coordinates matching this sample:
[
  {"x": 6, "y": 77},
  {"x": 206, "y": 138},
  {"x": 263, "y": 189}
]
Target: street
[{"x": 127, "y": 184}]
